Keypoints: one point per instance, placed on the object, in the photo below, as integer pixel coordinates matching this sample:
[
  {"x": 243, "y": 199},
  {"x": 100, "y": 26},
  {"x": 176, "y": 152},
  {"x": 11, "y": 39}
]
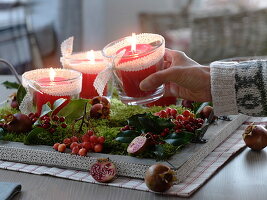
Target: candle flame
[
  {"x": 52, "y": 74},
  {"x": 133, "y": 43},
  {"x": 91, "y": 56}
]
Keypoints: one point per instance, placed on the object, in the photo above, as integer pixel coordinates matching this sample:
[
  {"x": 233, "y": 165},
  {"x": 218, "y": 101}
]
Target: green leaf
[
  {"x": 38, "y": 136},
  {"x": 11, "y": 85},
  {"x": 45, "y": 109},
  {"x": 21, "y": 94},
  {"x": 58, "y": 103},
  {"x": 159, "y": 152},
  {"x": 2, "y": 133},
  {"x": 126, "y": 136},
  {"x": 178, "y": 139},
  {"x": 74, "y": 109}
]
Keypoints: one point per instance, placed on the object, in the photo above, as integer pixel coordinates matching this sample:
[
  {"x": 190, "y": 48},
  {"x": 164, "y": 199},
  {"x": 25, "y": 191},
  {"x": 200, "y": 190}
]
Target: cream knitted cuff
[{"x": 223, "y": 88}]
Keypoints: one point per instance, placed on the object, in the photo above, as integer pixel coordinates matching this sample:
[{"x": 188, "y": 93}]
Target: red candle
[
  {"x": 132, "y": 79},
  {"x": 42, "y": 98},
  {"x": 89, "y": 66}
]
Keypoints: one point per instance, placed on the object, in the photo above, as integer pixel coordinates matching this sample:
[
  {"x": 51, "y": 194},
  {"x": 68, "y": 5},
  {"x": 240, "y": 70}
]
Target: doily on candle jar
[
  {"x": 146, "y": 59},
  {"x": 71, "y": 85}
]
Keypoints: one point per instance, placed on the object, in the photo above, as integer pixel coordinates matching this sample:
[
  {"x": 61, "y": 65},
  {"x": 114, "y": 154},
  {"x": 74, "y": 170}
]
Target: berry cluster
[
  {"x": 185, "y": 121},
  {"x": 81, "y": 145},
  {"x": 47, "y": 122}
]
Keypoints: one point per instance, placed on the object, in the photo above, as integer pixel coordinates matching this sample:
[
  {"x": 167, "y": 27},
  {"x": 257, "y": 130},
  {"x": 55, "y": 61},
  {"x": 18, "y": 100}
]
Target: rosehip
[
  {"x": 186, "y": 113},
  {"x": 101, "y": 139},
  {"x": 86, "y": 138},
  {"x": 168, "y": 111},
  {"x": 82, "y": 152},
  {"x": 173, "y": 113},
  {"x": 90, "y": 132},
  {"x": 87, "y": 145},
  {"x": 75, "y": 150},
  {"x": 93, "y": 139},
  {"x": 98, "y": 148},
  {"x": 52, "y": 130},
  {"x": 180, "y": 117},
  {"x": 74, "y": 139},
  {"x": 163, "y": 114},
  {"x": 56, "y": 146},
  {"x": 67, "y": 141},
  {"x": 74, "y": 144},
  {"x": 61, "y": 148}
]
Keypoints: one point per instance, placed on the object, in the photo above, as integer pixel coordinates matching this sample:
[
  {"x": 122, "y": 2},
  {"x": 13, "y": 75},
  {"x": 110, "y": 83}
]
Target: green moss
[{"x": 108, "y": 128}]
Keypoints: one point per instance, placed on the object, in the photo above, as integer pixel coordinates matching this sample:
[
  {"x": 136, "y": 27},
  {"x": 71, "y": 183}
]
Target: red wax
[
  {"x": 43, "y": 98},
  {"x": 163, "y": 101},
  {"x": 132, "y": 79},
  {"x": 88, "y": 89}
]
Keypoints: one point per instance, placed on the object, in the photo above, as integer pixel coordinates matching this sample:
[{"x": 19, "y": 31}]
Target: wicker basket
[{"x": 216, "y": 37}]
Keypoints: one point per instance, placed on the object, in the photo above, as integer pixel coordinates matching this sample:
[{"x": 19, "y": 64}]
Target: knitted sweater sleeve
[{"x": 239, "y": 87}]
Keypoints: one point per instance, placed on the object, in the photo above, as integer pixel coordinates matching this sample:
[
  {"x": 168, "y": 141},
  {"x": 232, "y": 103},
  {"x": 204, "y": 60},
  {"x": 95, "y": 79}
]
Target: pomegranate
[
  {"x": 159, "y": 178},
  {"x": 18, "y": 123},
  {"x": 138, "y": 145},
  {"x": 103, "y": 170},
  {"x": 188, "y": 104},
  {"x": 255, "y": 137},
  {"x": 102, "y": 100}
]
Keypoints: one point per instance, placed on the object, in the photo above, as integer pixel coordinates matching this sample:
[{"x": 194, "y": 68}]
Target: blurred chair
[
  {"x": 212, "y": 37},
  {"x": 17, "y": 40}
]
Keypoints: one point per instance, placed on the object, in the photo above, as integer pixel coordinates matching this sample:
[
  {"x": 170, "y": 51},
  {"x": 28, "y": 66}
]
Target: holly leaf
[
  {"x": 159, "y": 152},
  {"x": 10, "y": 85},
  {"x": 21, "y": 94},
  {"x": 2, "y": 133},
  {"x": 74, "y": 109},
  {"x": 178, "y": 139},
  {"x": 58, "y": 103},
  {"x": 45, "y": 109},
  {"x": 126, "y": 136},
  {"x": 38, "y": 135}
]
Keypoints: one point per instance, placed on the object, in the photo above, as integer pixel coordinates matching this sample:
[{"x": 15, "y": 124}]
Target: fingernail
[{"x": 143, "y": 85}]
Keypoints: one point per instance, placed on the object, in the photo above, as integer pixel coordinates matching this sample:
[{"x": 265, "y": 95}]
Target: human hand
[{"x": 187, "y": 79}]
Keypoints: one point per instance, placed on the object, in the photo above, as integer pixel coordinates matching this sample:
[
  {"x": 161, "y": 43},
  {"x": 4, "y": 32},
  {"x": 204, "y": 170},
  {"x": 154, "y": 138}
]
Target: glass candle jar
[
  {"x": 90, "y": 64},
  {"x": 133, "y": 59},
  {"x": 48, "y": 85}
]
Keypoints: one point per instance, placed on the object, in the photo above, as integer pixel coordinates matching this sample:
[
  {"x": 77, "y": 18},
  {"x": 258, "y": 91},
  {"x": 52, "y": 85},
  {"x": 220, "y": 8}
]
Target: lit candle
[
  {"x": 52, "y": 84},
  {"x": 142, "y": 56},
  {"x": 90, "y": 64}
]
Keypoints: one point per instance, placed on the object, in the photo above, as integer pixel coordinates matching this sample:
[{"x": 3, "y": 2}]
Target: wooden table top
[{"x": 243, "y": 177}]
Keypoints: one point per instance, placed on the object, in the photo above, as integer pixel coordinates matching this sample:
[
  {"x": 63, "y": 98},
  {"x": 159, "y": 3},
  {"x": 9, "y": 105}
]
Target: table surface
[{"x": 243, "y": 177}]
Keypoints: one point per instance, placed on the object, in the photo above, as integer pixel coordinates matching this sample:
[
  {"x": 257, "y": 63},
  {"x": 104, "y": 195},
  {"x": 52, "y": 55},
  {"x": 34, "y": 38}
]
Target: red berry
[
  {"x": 173, "y": 113},
  {"x": 56, "y": 146},
  {"x": 90, "y": 132},
  {"x": 67, "y": 141},
  {"x": 62, "y": 119},
  {"x": 82, "y": 152},
  {"x": 74, "y": 144},
  {"x": 75, "y": 150},
  {"x": 55, "y": 118},
  {"x": 61, "y": 147},
  {"x": 163, "y": 134},
  {"x": 46, "y": 126},
  {"x": 189, "y": 128},
  {"x": 64, "y": 125},
  {"x": 101, "y": 139},
  {"x": 86, "y": 138},
  {"x": 199, "y": 120},
  {"x": 163, "y": 114},
  {"x": 180, "y": 117},
  {"x": 199, "y": 125},
  {"x": 98, "y": 148},
  {"x": 155, "y": 136},
  {"x": 127, "y": 127},
  {"x": 168, "y": 111},
  {"x": 178, "y": 131},
  {"x": 34, "y": 119},
  {"x": 166, "y": 130},
  {"x": 52, "y": 130},
  {"x": 93, "y": 139},
  {"x": 87, "y": 145},
  {"x": 31, "y": 115},
  {"x": 46, "y": 121},
  {"x": 36, "y": 115},
  {"x": 186, "y": 113},
  {"x": 74, "y": 139}
]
